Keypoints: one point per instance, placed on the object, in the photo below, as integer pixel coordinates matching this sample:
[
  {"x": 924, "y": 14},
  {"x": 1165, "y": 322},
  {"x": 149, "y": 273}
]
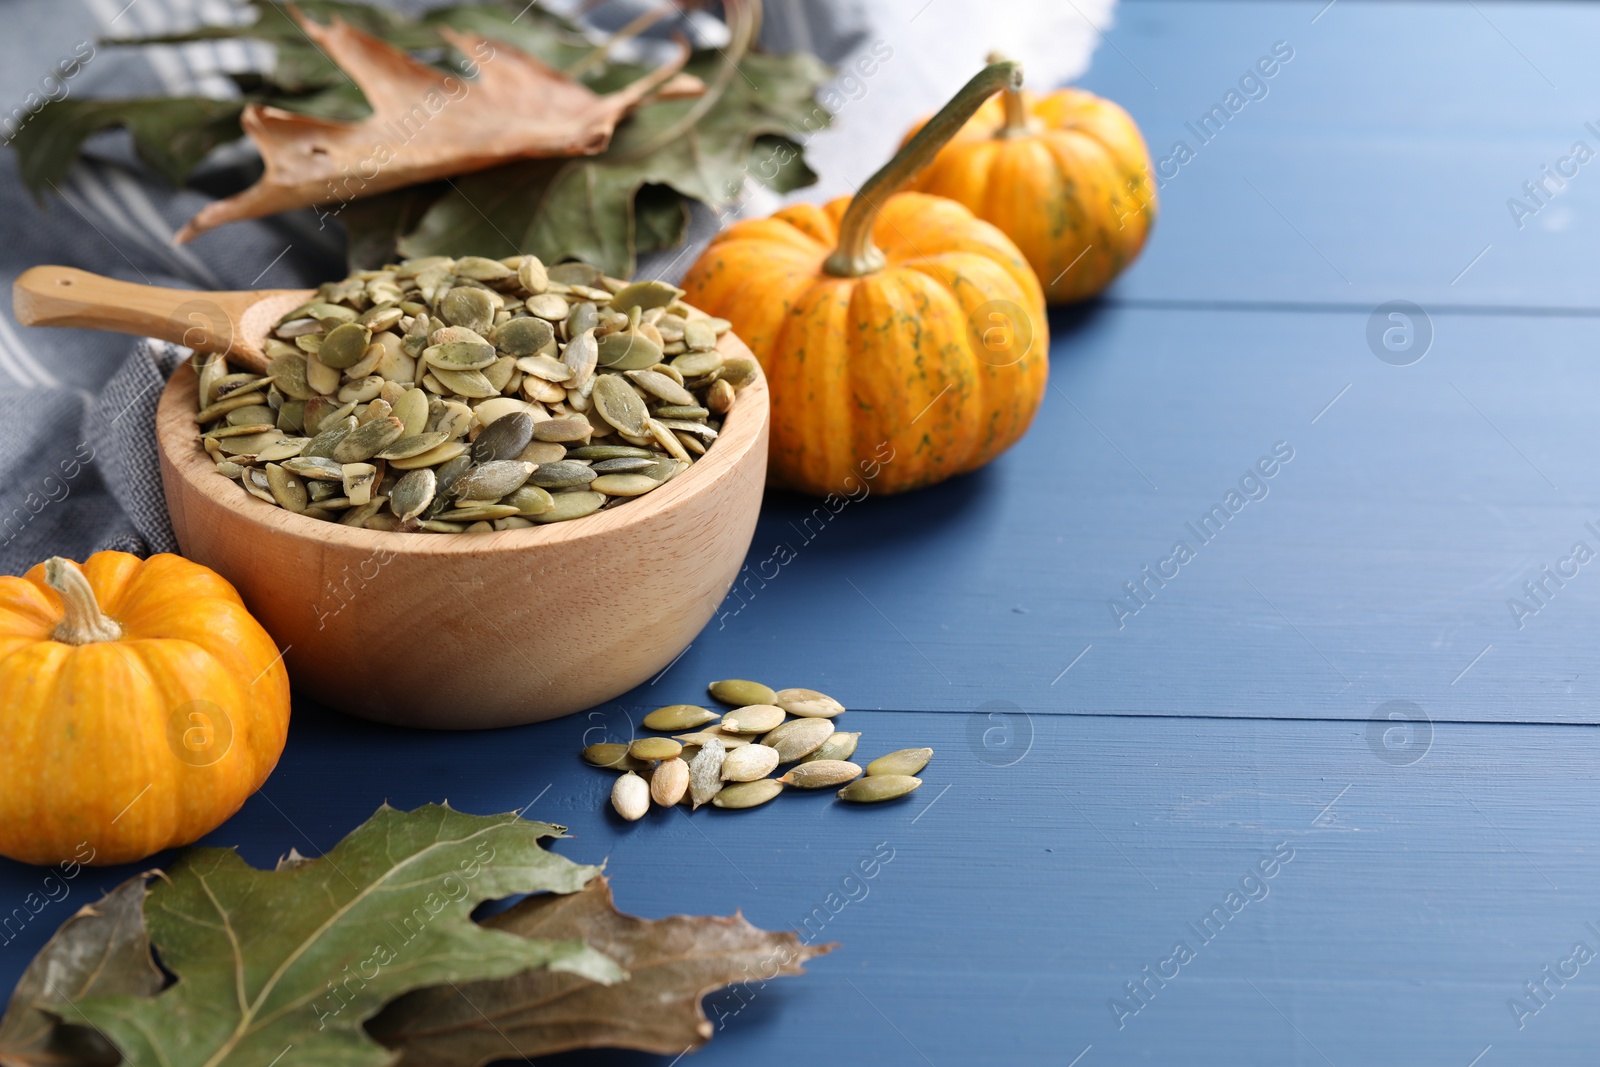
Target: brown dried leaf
[
  {"x": 103, "y": 950},
  {"x": 425, "y": 124},
  {"x": 671, "y": 964}
]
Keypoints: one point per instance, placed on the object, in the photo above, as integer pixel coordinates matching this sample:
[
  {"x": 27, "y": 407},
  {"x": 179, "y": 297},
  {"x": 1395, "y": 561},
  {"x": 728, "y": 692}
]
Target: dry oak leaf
[
  {"x": 426, "y": 124},
  {"x": 671, "y": 964},
  {"x": 100, "y": 951}
]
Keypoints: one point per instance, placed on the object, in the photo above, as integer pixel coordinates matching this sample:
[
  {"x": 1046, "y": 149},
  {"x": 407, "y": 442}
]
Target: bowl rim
[{"x": 177, "y": 441}]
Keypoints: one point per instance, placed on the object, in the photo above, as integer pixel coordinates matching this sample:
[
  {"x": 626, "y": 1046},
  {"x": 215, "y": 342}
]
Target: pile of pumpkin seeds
[
  {"x": 727, "y": 760},
  {"x": 466, "y": 395}
]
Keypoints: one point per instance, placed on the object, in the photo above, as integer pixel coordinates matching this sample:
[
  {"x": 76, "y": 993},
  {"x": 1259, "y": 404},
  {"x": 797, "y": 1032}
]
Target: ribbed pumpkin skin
[
  {"x": 1081, "y": 180},
  {"x": 862, "y": 369},
  {"x": 86, "y": 758}
]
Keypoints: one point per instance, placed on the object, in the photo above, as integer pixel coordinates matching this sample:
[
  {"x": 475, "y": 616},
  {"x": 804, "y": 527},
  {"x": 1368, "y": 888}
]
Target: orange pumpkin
[
  {"x": 1066, "y": 175},
  {"x": 903, "y": 339},
  {"x": 140, "y": 704}
]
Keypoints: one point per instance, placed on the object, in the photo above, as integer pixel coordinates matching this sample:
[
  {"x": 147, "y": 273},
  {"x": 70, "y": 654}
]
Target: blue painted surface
[{"x": 1098, "y": 789}]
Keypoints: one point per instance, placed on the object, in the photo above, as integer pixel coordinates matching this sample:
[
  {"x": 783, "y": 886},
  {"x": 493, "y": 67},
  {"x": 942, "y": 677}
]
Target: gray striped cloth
[{"x": 78, "y": 469}]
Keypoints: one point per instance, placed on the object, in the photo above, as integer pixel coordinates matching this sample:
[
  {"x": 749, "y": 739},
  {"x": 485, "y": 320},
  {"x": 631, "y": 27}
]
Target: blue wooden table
[{"x": 1325, "y": 795}]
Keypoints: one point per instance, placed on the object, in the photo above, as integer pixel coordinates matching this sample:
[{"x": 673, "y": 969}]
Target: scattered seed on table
[
  {"x": 705, "y": 772},
  {"x": 613, "y": 757},
  {"x": 798, "y": 737},
  {"x": 669, "y": 782},
  {"x": 808, "y": 702},
  {"x": 754, "y": 719},
  {"x": 741, "y": 693},
  {"x": 747, "y": 794},
  {"x": 841, "y": 745},
  {"x": 655, "y": 748},
  {"x": 749, "y": 763},
  {"x": 820, "y": 773},
  {"x": 679, "y": 717},
  {"x": 630, "y": 796},
  {"x": 906, "y": 761},
  {"x": 879, "y": 787}
]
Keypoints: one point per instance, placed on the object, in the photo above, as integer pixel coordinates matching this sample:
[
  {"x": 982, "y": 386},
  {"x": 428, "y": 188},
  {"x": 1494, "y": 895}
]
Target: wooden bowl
[{"x": 470, "y": 631}]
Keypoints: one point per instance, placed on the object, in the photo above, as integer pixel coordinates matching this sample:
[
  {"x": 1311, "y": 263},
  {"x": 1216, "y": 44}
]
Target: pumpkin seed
[
  {"x": 645, "y": 294},
  {"x": 286, "y": 489},
  {"x": 364, "y": 442},
  {"x": 613, "y": 756},
  {"x": 343, "y": 346},
  {"x": 798, "y": 737},
  {"x": 460, "y": 356},
  {"x": 748, "y": 763},
  {"x": 808, "y": 703},
  {"x": 669, "y": 782},
  {"x": 659, "y": 385},
  {"x": 315, "y": 467},
  {"x": 471, "y": 308},
  {"x": 531, "y": 500},
  {"x": 628, "y": 351},
  {"x": 705, "y": 771},
  {"x": 742, "y": 693},
  {"x": 819, "y": 774},
  {"x": 619, "y": 405},
  {"x": 492, "y": 480},
  {"x": 547, "y": 306},
  {"x": 406, "y": 367},
  {"x": 610, "y": 452},
  {"x": 569, "y": 506},
  {"x": 543, "y": 453},
  {"x": 415, "y": 445},
  {"x": 413, "y": 493},
  {"x": 572, "y": 428},
  {"x": 655, "y": 748},
  {"x": 436, "y": 456},
  {"x": 478, "y": 513},
  {"x": 879, "y": 787},
  {"x": 531, "y": 275},
  {"x": 753, "y": 719},
  {"x": 543, "y": 367},
  {"x": 719, "y": 398},
  {"x": 626, "y": 465},
  {"x": 840, "y": 745},
  {"x": 630, "y": 796},
  {"x": 623, "y": 484},
  {"x": 747, "y": 794},
  {"x": 679, "y": 717},
  {"x": 358, "y": 480},
  {"x": 700, "y": 738},
  {"x": 907, "y": 761},
  {"x": 562, "y": 475},
  {"x": 470, "y": 383}
]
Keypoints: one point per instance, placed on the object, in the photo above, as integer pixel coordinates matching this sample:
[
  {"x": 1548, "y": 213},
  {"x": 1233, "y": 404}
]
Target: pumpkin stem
[
  {"x": 1016, "y": 123},
  {"x": 856, "y": 254},
  {"x": 84, "y": 622}
]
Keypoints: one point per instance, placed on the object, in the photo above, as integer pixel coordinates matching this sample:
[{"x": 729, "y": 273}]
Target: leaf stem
[{"x": 856, "y": 255}]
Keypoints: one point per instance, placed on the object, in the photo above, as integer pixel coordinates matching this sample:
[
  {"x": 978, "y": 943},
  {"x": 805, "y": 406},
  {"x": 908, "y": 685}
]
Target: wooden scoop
[{"x": 232, "y": 324}]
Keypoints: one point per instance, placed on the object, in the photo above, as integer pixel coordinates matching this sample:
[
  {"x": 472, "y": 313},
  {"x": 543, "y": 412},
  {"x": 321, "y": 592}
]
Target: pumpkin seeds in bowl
[{"x": 497, "y": 364}]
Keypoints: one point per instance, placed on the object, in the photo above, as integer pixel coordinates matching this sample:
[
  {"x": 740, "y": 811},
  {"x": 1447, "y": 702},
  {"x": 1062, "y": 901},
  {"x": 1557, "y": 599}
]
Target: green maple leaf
[{"x": 299, "y": 957}]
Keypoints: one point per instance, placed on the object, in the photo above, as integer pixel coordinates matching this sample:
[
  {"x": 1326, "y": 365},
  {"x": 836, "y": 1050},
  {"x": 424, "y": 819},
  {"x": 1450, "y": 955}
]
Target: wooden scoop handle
[{"x": 62, "y": 296}]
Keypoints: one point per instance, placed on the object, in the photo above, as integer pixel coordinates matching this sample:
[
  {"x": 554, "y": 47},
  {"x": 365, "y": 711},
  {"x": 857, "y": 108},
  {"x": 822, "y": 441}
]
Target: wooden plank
[
  {"x": 1028, "y": 883},
  {"x": 1378, "y": 163},
  {"x": 1379, "y": 565}
]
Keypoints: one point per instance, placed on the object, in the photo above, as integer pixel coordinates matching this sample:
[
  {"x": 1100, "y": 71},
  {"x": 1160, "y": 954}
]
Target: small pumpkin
[
  {"x": 1065, "y": 174},
  {"x": 140, "y": 705},
  {"x": 904, "y": 340}
]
